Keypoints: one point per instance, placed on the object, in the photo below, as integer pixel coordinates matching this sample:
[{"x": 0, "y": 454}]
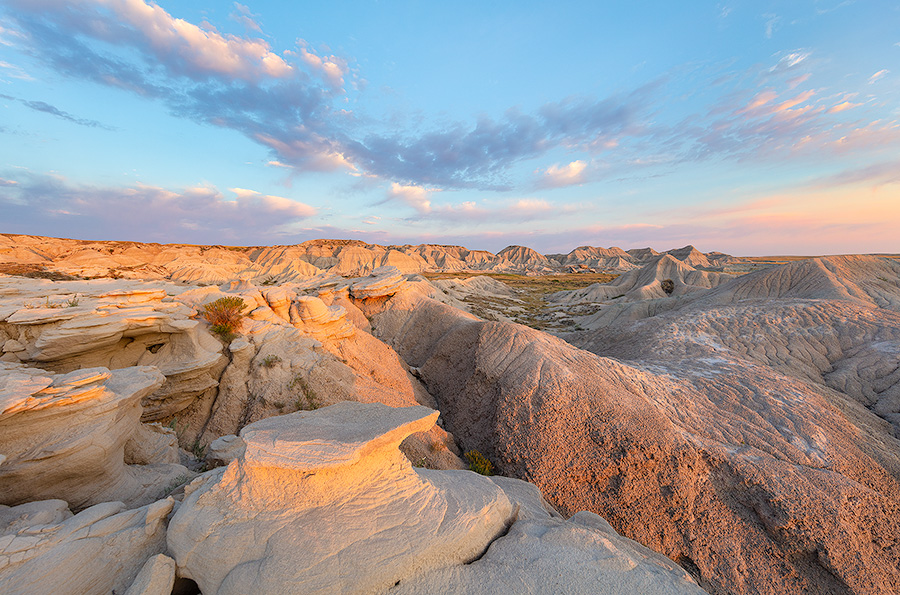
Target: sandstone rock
[
  {"x": 581, "y": 555},
  {"x": 377, "y": 520},
  {"x": 155, "y": 578},
  {"x": 65, "y": 436},
  {"x": 225, "y": 449},
  {"x": 44, "y": 549}
]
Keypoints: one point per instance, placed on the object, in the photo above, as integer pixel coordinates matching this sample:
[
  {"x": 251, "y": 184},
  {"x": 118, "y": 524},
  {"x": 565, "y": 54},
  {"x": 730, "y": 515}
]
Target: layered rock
[
  {"x": 66, "y": 436},
  {"x": 377, "y": 519},
  {"x": 112, "y": 324},
  {"x": 45, "y": 549}
]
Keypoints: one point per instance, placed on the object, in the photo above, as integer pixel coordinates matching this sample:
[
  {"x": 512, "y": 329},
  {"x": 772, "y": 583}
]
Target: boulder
[{"x": 46, "y": 549}]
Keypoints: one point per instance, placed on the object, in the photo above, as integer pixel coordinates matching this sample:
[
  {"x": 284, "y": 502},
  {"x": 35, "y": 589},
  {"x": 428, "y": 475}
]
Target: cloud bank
[{"x": 296, "y": 103}]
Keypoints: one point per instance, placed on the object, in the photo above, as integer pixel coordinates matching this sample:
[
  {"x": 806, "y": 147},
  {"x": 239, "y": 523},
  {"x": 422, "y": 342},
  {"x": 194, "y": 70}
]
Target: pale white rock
[
  {"x": 65, "y": 436},
  {"x": 323, "y": 501},
  {"x": 157, "y": 577},
  {"x": 552, "y": 555},
  {"x": 225, "y": 449},
  {"x": 45, "y": 549}
]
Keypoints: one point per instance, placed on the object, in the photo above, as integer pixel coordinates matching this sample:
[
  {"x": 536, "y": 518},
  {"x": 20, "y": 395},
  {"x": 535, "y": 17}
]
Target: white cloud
[
  {"x": 559, "y": 176},
  {"x": 415, "y": 196}
]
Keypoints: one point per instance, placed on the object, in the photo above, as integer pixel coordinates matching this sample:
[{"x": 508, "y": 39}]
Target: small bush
[
  {"x": 224, "y": 315},
  {"x": 308, "y": 400},
  {"x": 270, "y": 281},
  {"x": 479, "y": 463},
  {"x": 270, "y": 361},
  {"x": 668, "y": 286}
]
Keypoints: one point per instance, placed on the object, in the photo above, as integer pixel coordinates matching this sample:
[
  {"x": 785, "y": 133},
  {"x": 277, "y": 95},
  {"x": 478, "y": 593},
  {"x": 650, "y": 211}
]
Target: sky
[{"x": 749, "y": 127}]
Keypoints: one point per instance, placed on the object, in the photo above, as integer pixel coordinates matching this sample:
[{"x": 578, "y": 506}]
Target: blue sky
[{"x": 747, "y": 127}]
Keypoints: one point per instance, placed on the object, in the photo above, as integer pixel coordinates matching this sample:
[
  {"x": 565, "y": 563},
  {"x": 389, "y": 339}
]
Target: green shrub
[
  {"x": 224, "y": 315},
  {"x": 270, "y": 361},
  {"x": 479, "y": 463},
  {"x": 308, "y": 399}
]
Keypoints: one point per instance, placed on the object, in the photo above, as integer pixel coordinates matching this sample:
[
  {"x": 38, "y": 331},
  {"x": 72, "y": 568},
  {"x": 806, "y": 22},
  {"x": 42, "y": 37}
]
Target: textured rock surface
[
  {"x": 759, "y": 482},
  {"x": 246, "y": 528},
  {"x": 65, "y": 436},
  {"x": 543, "y": 553},
  {"x": 45, "y": 549},
  {"x": 155, "y": 578}
]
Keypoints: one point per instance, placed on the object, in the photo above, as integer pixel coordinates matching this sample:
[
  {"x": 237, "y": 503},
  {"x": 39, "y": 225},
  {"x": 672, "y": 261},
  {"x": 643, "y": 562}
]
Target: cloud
[
  {"x": 4, "y": 182},
  {"x": 842, "y": 106},
  {"x": 773, "y": 22},
  {"x": 878, "y": 76},
  {"x": 41, "y": 106},
  {"x": 557, "y": 176},
  {"x": 243, "y": 16},
  {"x": 413, "y": 196},
  {"x": 45, "y": 204},
  {"x": 15, "y": 72}
]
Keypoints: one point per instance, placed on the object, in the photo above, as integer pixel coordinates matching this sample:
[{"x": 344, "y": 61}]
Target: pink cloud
[{"x": 198, "y": 50}]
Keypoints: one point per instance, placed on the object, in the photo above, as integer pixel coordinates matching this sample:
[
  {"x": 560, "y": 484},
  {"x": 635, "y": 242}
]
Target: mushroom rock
[
  {"x": 65, "y": 436},
  {"x": 323, "y": 501},
  {"x": 313, "y": 317},
  {"x": 279, "y": 300},
  {"x": 45, "y": 549}
]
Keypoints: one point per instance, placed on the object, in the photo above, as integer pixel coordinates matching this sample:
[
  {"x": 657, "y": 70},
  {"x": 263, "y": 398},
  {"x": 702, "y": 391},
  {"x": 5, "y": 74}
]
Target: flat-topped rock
[{"x": 246, "y": 528}]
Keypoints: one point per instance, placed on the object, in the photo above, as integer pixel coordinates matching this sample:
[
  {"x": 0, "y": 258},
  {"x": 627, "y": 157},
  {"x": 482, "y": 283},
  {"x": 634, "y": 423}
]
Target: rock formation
[
  {"x": 66, "y": 436},
  {"x": 377, "y": 520}
]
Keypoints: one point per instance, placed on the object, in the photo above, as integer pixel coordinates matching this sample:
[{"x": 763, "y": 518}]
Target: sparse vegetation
[
  {"x": 270, "y": 281},
  {"x": 225, "y": 315},
  {"x": 73, "y": 301},
  {"x": 198, "y": 450},
  {"x": 307, "y": 400},
  {"x": 479, "y": 463},
  {"x": 668, "y": 286},
  {"x": 270, "y": 361}
]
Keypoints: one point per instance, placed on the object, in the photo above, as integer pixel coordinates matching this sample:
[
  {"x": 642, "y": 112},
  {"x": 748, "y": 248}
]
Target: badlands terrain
[{"x": 676, "y": 422}]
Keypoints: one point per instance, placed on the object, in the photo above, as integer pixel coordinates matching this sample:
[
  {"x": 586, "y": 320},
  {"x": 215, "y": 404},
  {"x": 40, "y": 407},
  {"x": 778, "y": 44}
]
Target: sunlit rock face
[
  {"x": 74, "y": 436},
  {"x": 45, "y": 549},
  {"x": 324, "y": 501}
]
